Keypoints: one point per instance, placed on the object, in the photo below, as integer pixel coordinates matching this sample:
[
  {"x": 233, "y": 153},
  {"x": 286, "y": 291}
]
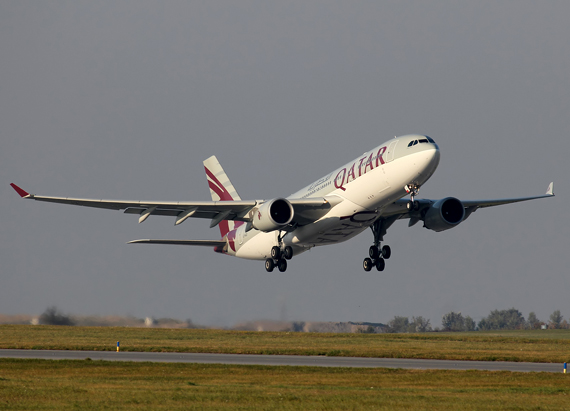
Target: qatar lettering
[{"x": 348, "y": 174}]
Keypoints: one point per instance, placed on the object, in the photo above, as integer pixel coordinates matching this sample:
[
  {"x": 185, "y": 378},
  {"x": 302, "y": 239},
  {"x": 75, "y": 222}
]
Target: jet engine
[
  {"x": 444, "y": 214},
  {"x": 272, "y": 215}
]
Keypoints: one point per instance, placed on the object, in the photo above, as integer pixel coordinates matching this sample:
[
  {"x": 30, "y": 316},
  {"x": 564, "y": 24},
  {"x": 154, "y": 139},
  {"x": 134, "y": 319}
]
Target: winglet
[
  {"x": 21, "y": 192},
  {"x": 550, "y": 190}
]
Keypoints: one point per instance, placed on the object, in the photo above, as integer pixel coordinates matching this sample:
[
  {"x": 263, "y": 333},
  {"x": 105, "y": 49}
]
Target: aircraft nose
[
  {"x": 435, "y": 155},
  {"x": 433, "y": 159}
]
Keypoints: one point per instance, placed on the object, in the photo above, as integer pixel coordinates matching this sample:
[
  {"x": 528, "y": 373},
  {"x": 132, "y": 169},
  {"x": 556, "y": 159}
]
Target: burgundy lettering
[
  {"x": 351, "y": 172},
  {"x": 336, "y": 183},
  {"x": 360, "y": 166},
  {"x": 368, "y": 163},
  {"x": 379, "y": 159}
]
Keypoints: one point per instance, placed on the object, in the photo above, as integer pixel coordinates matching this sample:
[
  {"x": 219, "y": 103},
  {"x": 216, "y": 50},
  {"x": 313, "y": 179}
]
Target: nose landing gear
[{"x": 413, "y": 189}]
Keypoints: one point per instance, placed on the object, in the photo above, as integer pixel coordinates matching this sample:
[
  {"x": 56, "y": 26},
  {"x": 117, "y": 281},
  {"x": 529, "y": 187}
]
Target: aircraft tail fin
[{"x": 221, "y": 189}]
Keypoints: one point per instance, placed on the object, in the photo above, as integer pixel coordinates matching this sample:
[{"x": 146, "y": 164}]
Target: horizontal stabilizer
[{"x": 204, "y": 243}]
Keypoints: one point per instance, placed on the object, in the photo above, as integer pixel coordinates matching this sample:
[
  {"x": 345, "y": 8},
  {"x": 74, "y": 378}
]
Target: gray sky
[{"x": 126, "y": 99}]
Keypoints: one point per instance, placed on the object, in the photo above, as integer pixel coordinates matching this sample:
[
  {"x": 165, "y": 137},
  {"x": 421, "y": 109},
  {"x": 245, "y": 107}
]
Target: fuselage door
[{"x": 390, "y": 151}]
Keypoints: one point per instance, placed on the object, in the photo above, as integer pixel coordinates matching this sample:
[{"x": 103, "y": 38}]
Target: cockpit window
[{"x": 425, "y": 139}]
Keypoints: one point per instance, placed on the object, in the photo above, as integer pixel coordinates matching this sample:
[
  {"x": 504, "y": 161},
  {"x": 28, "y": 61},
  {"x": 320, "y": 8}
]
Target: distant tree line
[
  {"x": 52, "y": 316},
  {"x": 404, "y": 325},
  {"x": 511, "y": 319}
]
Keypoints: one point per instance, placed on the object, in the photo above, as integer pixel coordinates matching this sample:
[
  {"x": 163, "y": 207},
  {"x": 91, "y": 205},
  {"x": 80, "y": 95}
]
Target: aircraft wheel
[
  {"x": 288, "y": 253},
  {"x": 373, "y": 252},
  {"x": 275, "y": 253},
  {"x": 413, "y": 205},
  {"x": 367, "y": 264},
  {"x": 386, "y": 252},
  {"x": 269, "y": 265},
  {"x": 282, "y": 265},
  {"x": 380, "y": 264}
]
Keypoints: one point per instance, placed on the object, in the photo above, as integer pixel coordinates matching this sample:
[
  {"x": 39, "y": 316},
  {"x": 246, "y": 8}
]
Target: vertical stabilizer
[{"x": 221, "y": 189}]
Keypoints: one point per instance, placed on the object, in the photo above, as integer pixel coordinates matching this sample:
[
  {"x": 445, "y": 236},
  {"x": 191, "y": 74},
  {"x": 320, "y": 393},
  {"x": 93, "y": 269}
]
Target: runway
[{"x": 280, "y": 360}]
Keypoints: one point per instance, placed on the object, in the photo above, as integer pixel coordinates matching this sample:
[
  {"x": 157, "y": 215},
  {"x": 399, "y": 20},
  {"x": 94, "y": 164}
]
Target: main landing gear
[
  {"x": 377, "y": 255},
  {"x": 278, "y": 258}
]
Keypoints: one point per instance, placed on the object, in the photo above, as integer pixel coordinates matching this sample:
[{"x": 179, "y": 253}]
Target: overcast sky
[{"x": 125, "y": 99}]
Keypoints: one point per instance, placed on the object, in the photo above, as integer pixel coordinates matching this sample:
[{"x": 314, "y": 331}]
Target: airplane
[{"x": 367, "y": 192}]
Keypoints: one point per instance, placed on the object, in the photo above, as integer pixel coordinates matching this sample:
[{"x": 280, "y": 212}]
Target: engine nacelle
[
  {"x": 444, "y": 214},
  {"x": 272, "y": 215}
]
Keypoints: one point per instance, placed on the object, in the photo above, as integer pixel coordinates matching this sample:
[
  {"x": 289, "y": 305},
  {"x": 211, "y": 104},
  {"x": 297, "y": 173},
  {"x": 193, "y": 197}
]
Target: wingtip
[
  {"x": 137, "y": 241},
  {"x": 550, "y": 190},
  {"x": 23, "y": 193}
]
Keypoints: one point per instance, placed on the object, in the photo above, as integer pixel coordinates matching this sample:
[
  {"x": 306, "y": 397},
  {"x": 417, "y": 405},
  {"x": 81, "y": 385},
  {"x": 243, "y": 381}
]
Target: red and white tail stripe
[{"x": 221, "y": 189}]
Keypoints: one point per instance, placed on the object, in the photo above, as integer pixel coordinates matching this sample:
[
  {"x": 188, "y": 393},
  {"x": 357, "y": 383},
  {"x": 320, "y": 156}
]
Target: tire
[
  {"x": 380, "y": 264},
  {"x": 282, "y": 265},
  {"x": 275, "y": 253},
  {"x": 269, "y": 265},
  {"x": 367, "y": 264},
  {"x": 373, "y": 252},
  {"x": 288, "y": 253},
  {"x": 386, "y": 252}
]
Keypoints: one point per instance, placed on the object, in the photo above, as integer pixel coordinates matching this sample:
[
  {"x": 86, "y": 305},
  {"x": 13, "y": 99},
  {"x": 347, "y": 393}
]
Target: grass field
[
  {"x": 56, "y": 385},
  {"x": 87, "y": 384},
  {"x": 531, "y": 346}
]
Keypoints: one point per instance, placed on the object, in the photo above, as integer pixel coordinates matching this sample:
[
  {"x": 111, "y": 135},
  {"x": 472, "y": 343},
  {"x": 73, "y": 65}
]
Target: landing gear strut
[
  {"x": 376, "y": 254},
  {"x": 279, "y": 256},
  {"x": 413, "y": 189}
]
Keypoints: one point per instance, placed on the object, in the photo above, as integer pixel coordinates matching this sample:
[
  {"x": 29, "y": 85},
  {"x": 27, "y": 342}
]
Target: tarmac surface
[{"x": 280, "y": 360}]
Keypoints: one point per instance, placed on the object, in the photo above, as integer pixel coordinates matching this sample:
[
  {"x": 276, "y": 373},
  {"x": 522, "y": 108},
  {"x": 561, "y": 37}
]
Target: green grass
[
  {"x": 94, "y": 385},
  {"x": 532, "y": 346}
]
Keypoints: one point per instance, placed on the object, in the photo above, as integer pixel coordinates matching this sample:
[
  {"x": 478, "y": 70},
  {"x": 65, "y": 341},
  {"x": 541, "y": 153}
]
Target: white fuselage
[{"x": 366, "y": 186}]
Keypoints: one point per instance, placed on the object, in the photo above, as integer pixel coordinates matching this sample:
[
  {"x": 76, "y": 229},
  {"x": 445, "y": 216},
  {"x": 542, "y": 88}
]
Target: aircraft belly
[
  {"x": 343, "y": 222},
  {"x": 257, "y": 245}
]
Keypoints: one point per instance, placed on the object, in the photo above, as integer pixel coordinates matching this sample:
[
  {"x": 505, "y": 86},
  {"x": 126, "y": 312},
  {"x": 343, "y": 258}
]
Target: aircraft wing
[
  {"x": 473, "y": 205},
  {"x": 399, "y": 210},
  {"x": 306, "y": 210},
  {"x": 491, "y": 203}
]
